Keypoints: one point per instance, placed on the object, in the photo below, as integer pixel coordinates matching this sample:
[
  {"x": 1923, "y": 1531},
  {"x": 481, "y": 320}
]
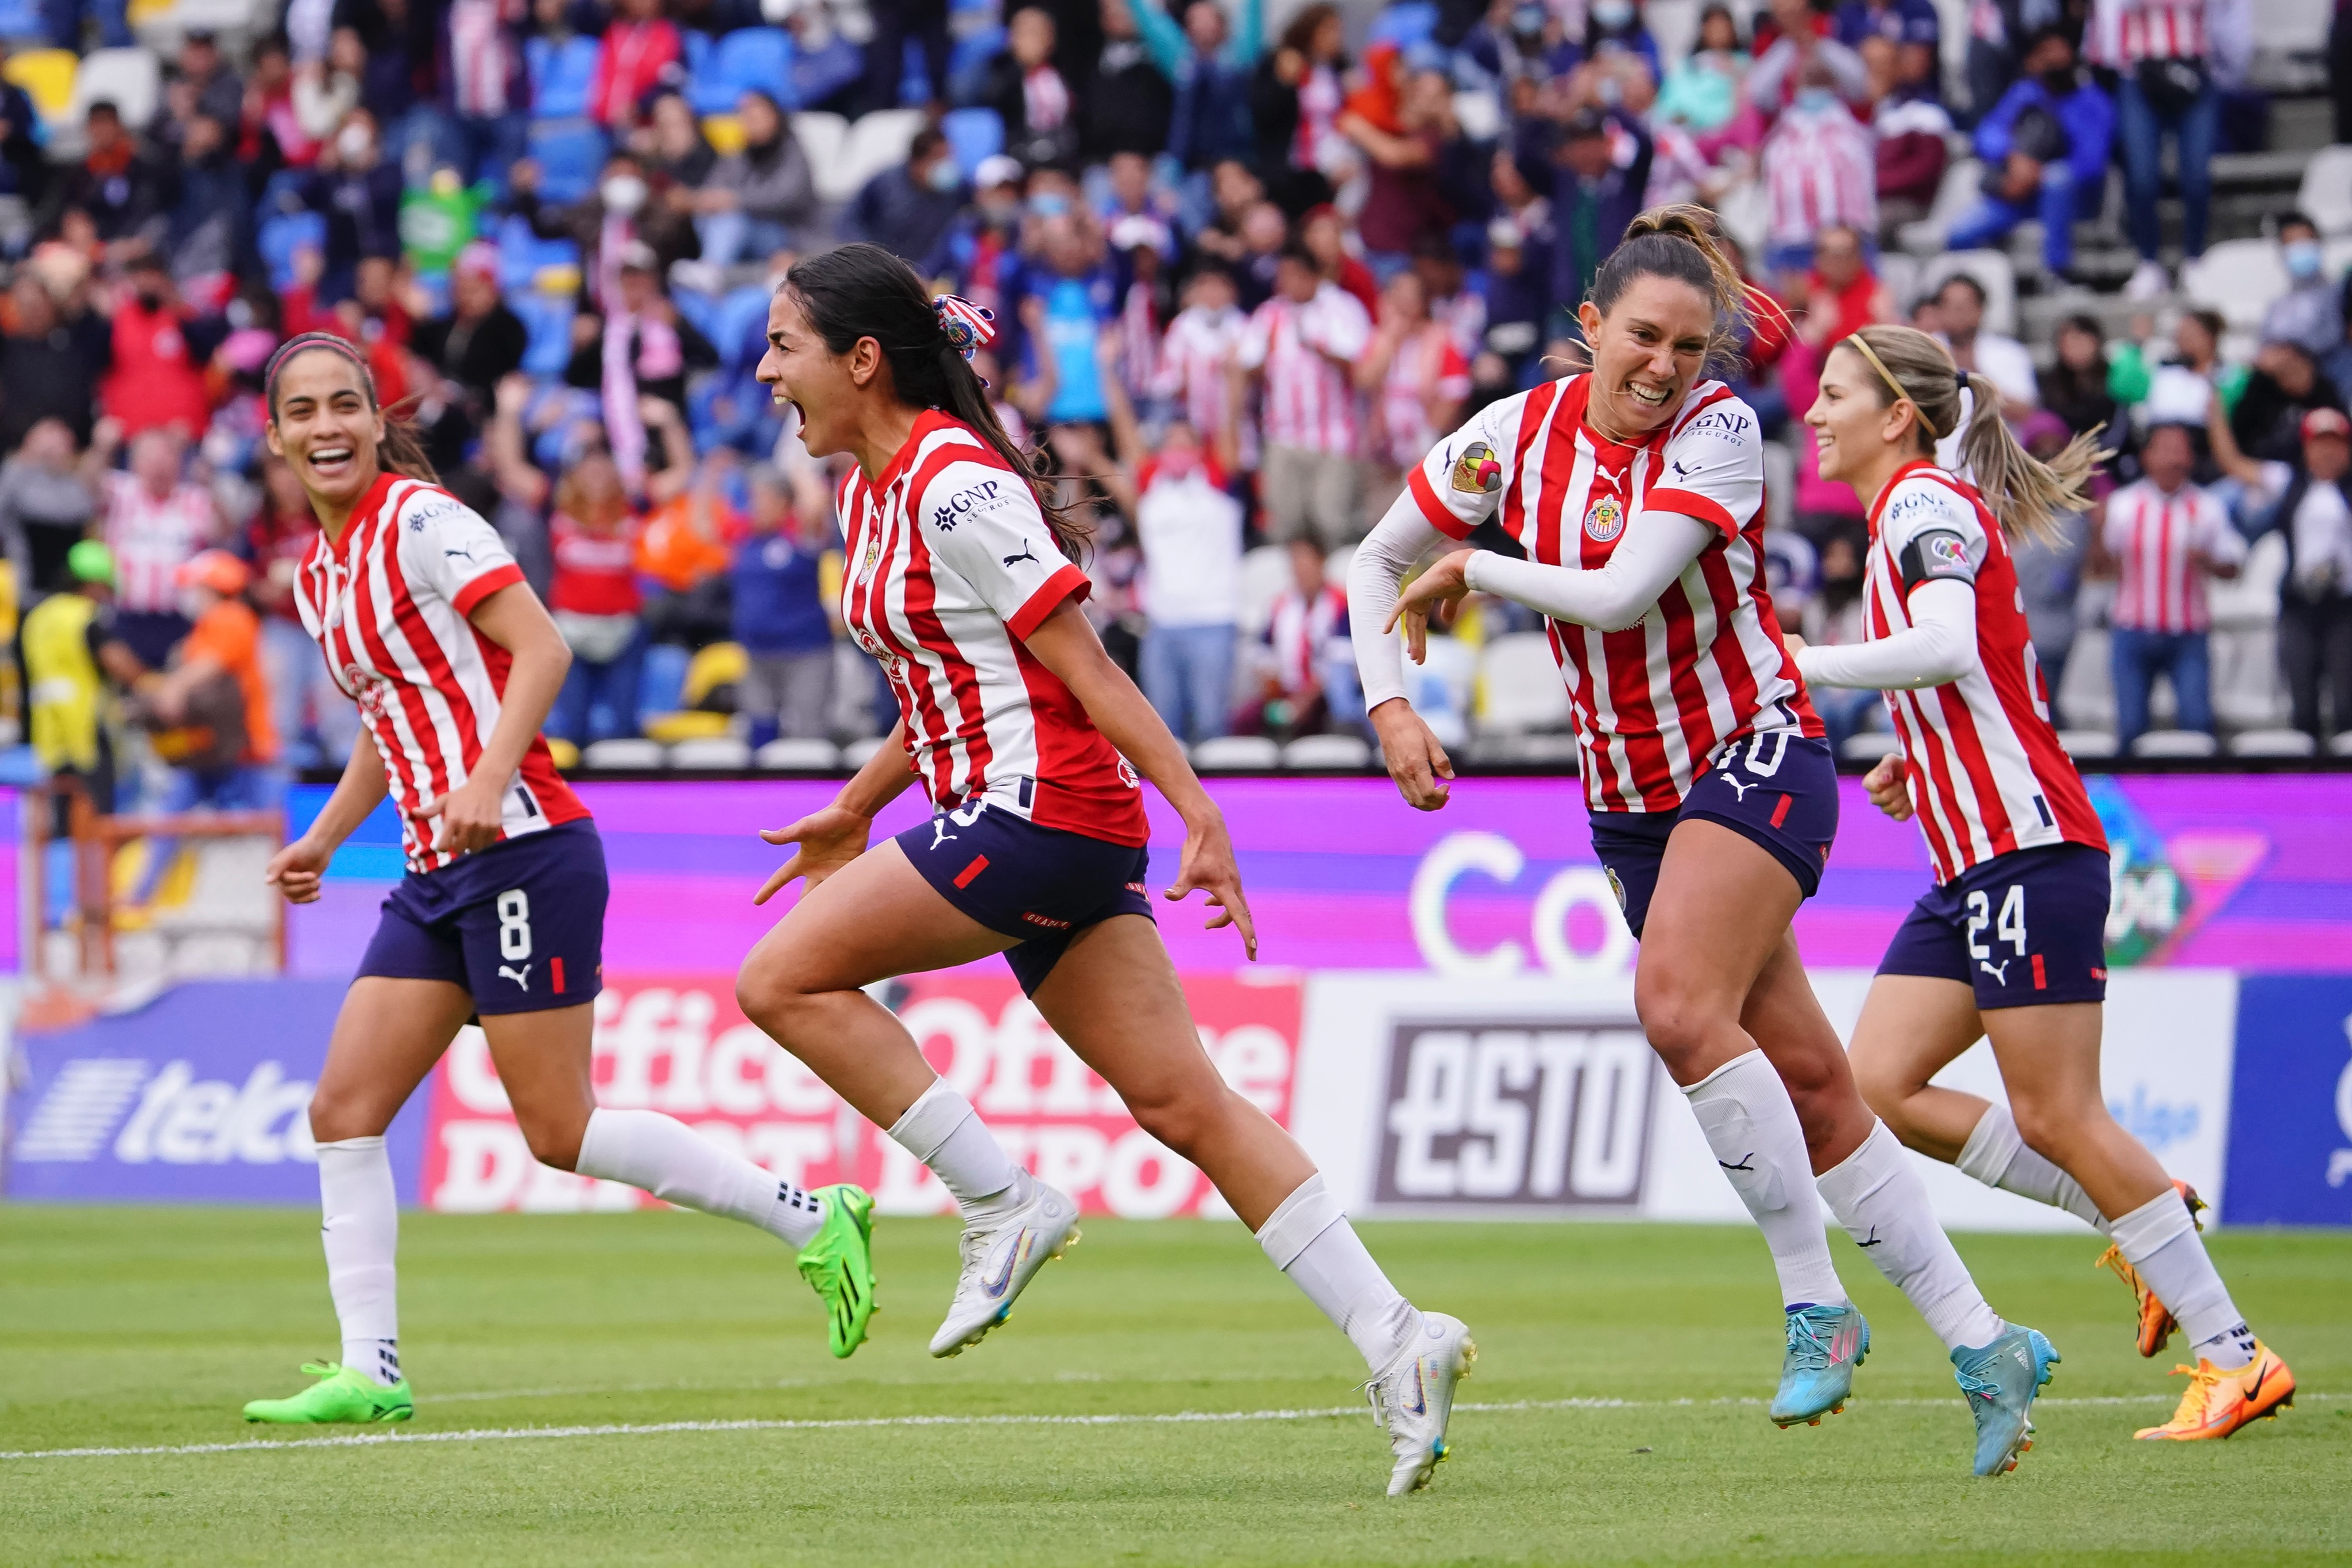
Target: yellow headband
[{"x": 1856, "y": 343}]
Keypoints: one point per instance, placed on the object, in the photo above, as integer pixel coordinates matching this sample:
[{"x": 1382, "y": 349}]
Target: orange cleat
[
  {"x": 2217, "y": 1403},
  {"x": 2156, "y": 1321}
]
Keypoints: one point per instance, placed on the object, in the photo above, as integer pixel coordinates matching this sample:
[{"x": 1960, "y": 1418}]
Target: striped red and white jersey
[
  {"x": 1427, "y": 365},
  {"x": 952, "y": 566},
  {"x": 2123, "y": 33},
  {"x": 1200, "y": 344},
  {"x": 1981, "y": 758},
  {"x": 1653, "y": 702},
  {"x": 1821, "y": 168},
  {"x": 152, "y": 537},
  {"x": 387, "y": 604},
  {"x": 2153, "y": 537},
  {"x": 1311, "y": 399}
]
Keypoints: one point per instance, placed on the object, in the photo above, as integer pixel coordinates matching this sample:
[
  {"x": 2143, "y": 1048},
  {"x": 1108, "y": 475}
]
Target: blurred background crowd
[{"x": 1247, "y": 265}]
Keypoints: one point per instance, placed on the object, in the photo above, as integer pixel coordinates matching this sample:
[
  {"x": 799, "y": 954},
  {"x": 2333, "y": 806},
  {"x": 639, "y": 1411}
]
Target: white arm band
[
  {"x": 1657, "y": 549},
  {"x": 1939, "y": 645},
  {"x": 1375, "y": 575}
]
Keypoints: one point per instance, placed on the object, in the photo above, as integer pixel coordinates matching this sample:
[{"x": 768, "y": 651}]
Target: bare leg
[
  {"x": 1787, "y": 1022},
  {"x": 388, "y": 1037},
  {"x": 1115, "y": 999},
  {"x": 2049, "y": 1059},
  {"x": 1912, "y": 1028},
  {"x": 544, "y": 1061}
]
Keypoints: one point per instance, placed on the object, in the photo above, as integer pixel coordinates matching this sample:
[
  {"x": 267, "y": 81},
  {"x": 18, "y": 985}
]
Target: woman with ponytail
[
  {"x": 426, "y": 622},
  {"x": 2009, "y": 943},
  {"x": 1033, "y": 747},
  {"x": 1636, "y": 490}
]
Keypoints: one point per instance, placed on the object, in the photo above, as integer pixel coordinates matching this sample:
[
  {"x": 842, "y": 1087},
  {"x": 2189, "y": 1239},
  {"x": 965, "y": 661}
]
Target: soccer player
[
  {"x": 426, "y": 622},
  {"x": 1029, "y": 741},
  {"x": 1637, "y": 491},
  {"x": 2010, "y": 942}
]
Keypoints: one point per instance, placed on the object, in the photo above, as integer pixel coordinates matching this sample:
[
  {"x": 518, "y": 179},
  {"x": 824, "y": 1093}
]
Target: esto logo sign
[{"x": 1519, "y": 1113}]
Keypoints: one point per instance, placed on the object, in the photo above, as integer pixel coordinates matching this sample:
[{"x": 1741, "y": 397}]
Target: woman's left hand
[
  {"x": 471, "y": 817},
  {"x": 1442, "y": 586},
  {"x": 1209, "y": 866}
]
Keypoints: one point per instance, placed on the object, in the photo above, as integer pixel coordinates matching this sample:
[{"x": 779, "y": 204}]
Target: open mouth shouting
[{"x": 1653, "y": 398}]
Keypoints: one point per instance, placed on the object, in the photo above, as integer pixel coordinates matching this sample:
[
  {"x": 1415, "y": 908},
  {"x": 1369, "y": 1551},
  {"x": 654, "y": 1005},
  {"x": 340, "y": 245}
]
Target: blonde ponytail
[{"x": 2027, "y": 495}]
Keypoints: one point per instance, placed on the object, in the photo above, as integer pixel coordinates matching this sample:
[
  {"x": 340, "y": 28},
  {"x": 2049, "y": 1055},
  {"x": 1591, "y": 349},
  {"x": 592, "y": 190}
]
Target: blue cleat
[
  {"x": 2000, "y": 1381},
  {"x": 1825, "y": 1345}
]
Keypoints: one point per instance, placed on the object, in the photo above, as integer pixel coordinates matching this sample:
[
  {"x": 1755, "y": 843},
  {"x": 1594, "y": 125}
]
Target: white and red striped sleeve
[
  {"x": 1713, "y": 468},
  {"x": 447, "y": 546},
  {"x": 982, "y": 521},
  {"x": 1461, "y": 481}
]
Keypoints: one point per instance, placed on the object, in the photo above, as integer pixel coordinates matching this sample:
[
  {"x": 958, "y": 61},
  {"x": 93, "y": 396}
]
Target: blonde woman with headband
[
  {"x": 1636, "y": 490},
  {"x": 2010, "y": 941}
]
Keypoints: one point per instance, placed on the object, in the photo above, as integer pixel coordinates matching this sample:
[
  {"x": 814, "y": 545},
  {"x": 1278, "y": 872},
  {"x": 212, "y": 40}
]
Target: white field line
[{"x": 1181, "y": 1417}]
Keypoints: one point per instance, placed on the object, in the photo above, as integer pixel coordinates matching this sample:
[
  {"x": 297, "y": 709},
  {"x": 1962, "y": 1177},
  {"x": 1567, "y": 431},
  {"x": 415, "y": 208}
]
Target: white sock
[
  {"x": 944, "y": 1132},
  {"x": 1876, "y": 1194},
  {"x": 1752, "y": 1124},
  {"x": 360, "y": 1228},
  {"x": 669, "y": 1159},
  {"x": 2160, "y": 1241},
  {"x": 1996, "y": 1156},
  {"x": 1309, "y": 1239}
]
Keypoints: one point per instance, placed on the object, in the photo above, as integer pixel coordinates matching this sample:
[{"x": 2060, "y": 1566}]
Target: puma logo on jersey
[
  {"x": 1684, "y": 472},
  {"x": 465, "y": 554},
  {"x": 1999, "y": 973},
  {"x": 522, "y": 978},
  {"x": 1736, "y": 784},
  {"x": 940, "y": 833},
  {"x": 1028, "y": 553}
]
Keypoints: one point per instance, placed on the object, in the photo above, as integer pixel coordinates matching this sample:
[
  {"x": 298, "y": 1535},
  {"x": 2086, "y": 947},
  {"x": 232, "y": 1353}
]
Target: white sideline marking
[{"x": 1181, "y": 1417}]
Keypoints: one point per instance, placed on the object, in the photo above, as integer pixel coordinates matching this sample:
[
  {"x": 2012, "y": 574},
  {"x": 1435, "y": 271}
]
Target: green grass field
[{"x": 1616, "y": 1414}]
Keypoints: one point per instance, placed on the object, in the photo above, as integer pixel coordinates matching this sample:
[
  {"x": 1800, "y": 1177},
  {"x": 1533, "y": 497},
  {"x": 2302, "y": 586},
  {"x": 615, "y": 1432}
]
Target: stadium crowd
[{"x": 1243, "y": 275}]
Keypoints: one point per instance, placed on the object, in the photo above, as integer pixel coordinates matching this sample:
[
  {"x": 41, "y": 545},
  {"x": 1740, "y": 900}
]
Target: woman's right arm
[
  {"x": 295, "y": 870},
  {"x": 1415, "y": 760}
]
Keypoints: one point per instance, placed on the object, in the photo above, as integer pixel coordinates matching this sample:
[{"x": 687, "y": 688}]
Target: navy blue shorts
[
  {"x": 2022, "y": 930},
  {"x": 519, "y": 924},
  {"x": 1041, "y": 884},
  {"x": 1777, "y": 789}
]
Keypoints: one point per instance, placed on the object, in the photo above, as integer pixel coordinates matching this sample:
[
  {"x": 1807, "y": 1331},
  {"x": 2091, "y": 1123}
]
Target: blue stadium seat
[
  {"x": 547, "y": 318},
  {"x": 972, "y": 134},
  {"x": 969, "y": 54},
  {"x": 701, "y": 311},
  {"x": 570, "y": 155},
  {"x": 1408, "y": 22},
  {"x": 279, "y": 238},
  {"x": 560, "y": 77},
  {"x": 522, "y": 254},
  {"x": 748, "y": 57},
  {"x": 739, "y": 329},
  {"x": 697, "y": 51},
  {"x": 23, "y": 19}
]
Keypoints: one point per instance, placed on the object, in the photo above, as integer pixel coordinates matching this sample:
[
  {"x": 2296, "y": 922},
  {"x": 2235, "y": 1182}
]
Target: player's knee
[
  {"x": 2054, "y": 1130},
  {"x": 769, "y": 994},
  {"x": 337, "y": 1114},
  {"x": 553, "y": 1140},
  {"x": 1183, "y": 1115},
  {"x": 1677, "y": 1020}
]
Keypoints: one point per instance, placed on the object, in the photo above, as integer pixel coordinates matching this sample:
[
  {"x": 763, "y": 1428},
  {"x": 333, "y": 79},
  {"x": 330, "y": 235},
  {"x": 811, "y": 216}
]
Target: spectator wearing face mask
[
  {"x": 907, "y": 209},
  {"x": 2308, "y": 502},
  {"x": 1201, "y": 342},
  {"x": 358, "y": 192},
  {"x": 2166, "y": 537},
  {"x": 617, "y": 212},
  {"x": 2045, "y": 148},
  {"x": 2310, "y": 314}
]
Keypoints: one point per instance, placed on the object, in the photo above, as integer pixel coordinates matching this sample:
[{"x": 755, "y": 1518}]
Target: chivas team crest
[{"x": 1605, "y": 521}]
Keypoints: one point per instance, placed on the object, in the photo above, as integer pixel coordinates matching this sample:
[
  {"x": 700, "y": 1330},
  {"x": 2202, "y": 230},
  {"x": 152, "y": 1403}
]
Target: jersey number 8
[
  {"x": 514, "y": 924},
  {"x": 2011, "y": 928}
]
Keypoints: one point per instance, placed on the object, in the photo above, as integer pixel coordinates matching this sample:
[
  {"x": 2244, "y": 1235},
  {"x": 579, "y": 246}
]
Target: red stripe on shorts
[
  {"x": 979, "y": 863},
  {"x": 2041, "y": 981},
  {"x": 555, "y": 968},
  {"x": 1780, "y": 812}
]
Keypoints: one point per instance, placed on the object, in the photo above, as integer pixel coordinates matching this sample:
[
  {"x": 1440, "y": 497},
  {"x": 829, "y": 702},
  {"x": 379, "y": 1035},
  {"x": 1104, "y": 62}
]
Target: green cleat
[
  {"x": 341, "y": 1394},
  {"x": 839, "y": 1265}
]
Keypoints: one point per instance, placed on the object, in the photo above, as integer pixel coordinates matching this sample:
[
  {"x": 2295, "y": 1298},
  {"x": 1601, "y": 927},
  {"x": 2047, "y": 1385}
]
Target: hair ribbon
[{"x": 968, "y": 327}]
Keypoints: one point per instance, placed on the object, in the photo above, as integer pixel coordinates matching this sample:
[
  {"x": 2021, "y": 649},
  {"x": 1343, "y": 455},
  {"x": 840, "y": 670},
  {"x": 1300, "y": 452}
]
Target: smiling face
[
  {"x": 1646, "y": 353},
  {"x": 1853, "y": 422},
  {"x": 824, "y": 388},
  {"x": 326, "y": 427}
]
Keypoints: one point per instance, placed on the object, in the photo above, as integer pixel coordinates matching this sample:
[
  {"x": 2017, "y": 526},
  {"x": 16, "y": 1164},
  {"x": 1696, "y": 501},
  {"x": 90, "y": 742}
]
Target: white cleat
[
  {"x": 1414, "y": 1397},
  {"x": 1001, "y": 1251}
]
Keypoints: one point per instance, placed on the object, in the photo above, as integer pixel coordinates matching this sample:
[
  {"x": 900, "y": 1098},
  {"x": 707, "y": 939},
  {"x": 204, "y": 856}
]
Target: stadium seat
[
  {"x": 1265, "y": 572},
  {"x": 808, "y": 755},
  {"x": 2340, "y": 745},
  {"x": 1519, "y": 688},
  {"x": 748, "y": 57},
  {"x": 1236, "y": 754},
  {"x": 972, "y": 134},
  {"x": 627, "y": 753},
  {"x": 2248, "y": 692},
  {"x": 1404, "y": 23},
  {"x": 2239, "y": 278},
  {"x": 724, "y": 133},
  {"x": 1868, "y": 747},
  {"x": 1963, "y": 182},
  {"x": 1994, "y": 275},
  {"x": 1331, "y": 751},
  {"x": 876, "y": 141},
  {"x": 2087, "y": 744},
  {"x": 857, "y": 753},
  {"x": 561, "y": 75},
  {"x": 570, "y": 155},
  {"x": 697, "y": 45},
  {"x": 283, "y": 236},
  {"x": 21, "y": 19},
  {"x": 2087, "y": 690},
  {"x": 2326, "y": 194},
  {"x": 738, "y": 327},
  {"x": 547, "y": 321},
  {"x": 1479, "y": 113},
  {"x": 1556, "y": 752},
  {"x": 2175, "y": 743},
  {"x": 2272, "y": 743},
  {"x": 700, "y": 309},
  {"x": 130, "y": 79},
  {"x": 970, "y": 51},
  {"x": 821, "y": 136},
  {"x": 48, "y": 78},
  {"x": 717, "y": 754}
]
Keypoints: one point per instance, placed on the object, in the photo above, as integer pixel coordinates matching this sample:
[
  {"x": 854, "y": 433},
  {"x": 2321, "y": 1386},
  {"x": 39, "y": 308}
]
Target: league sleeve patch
[
  {"x": 1477, "y": 472},
  {"x": 1934, "y": 554}
]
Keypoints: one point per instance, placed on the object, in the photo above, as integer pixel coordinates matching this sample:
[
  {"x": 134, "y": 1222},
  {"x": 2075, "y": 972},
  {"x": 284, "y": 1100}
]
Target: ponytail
[
  {"x": 2027, "y": 495},
  {"x": 399, "y": 451},
  {"x": 863, "y": 291},
  {"x": 1680, "y": 242}
]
